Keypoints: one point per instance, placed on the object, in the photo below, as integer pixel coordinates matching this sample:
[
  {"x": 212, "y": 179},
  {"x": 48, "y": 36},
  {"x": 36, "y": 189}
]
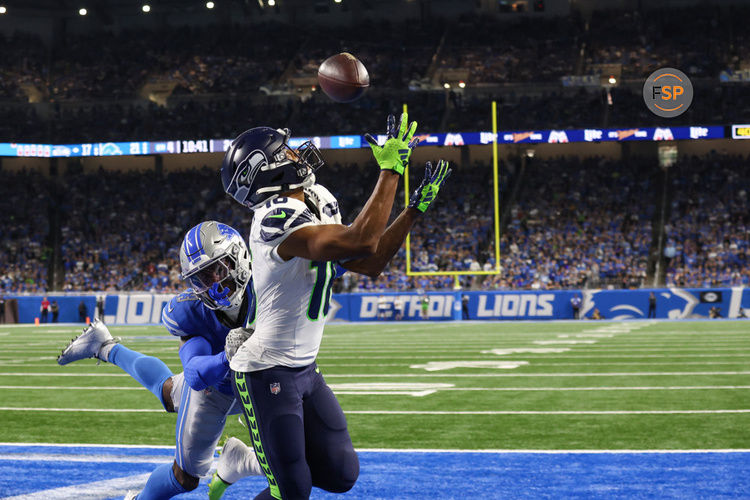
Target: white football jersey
[{"x": 292, "y": 296}]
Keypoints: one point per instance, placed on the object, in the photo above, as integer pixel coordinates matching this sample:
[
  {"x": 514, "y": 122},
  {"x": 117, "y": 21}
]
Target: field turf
[{"x": 597, "y": 386}]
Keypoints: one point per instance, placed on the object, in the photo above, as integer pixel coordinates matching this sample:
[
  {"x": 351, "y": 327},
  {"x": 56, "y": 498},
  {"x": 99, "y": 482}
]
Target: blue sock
[
  {"x": 148, "y": 371},
  {"x": 161, "y": 484}
]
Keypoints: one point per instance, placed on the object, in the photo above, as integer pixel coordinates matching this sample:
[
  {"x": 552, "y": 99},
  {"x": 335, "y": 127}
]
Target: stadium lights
[
  {"x": 146, "y": 8},
  {"x": 337, "y": 1},
  {"x": 3, "y": 10},
  {"x": 462, "y": 85},
  {"x": 612, "y": 80},
  {"x": 82, "y": 12},
  {"x": 271, "y": 3},
  {"x": 446, "y": 85},
  {"x": 210, "y": 5}
]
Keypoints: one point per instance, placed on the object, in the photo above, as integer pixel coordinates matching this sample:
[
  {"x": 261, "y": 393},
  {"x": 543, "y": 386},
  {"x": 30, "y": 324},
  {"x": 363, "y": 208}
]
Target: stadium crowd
[
  {"x": 575, "y": 223},
  {"x": 24, "y": 248},
  {"x": 92, "y": 87},
  {"x": 709, "y": 230}
]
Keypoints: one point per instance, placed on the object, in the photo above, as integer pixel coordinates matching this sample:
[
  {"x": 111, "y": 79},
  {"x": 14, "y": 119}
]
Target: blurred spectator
[
  {"x": 44, "y": 309},
  {"x": 55, "y": 310},
  {"x": 651, "y": 305},
  {"x": 425, "y": 306},
  {"x": 82, "y": 312},
  {"x": 575, "y": 303}
]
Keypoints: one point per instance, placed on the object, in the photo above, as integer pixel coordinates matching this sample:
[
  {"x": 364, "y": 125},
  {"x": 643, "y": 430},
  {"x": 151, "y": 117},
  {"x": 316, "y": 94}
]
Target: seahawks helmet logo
[{"x": 245, "y": 175}]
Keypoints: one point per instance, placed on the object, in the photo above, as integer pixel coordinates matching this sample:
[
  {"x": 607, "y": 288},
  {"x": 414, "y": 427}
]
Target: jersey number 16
[{"x": 320, "y": 297}]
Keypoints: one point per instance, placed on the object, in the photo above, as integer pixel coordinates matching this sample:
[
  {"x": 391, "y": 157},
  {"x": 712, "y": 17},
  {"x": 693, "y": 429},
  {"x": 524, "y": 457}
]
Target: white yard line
[
  {"x": 553, "y": 412},
  {"x": 426, "y": 412},
  {"x": 324, "y": 355},
  {"x": 86, "y": 410},
  {"x": 634, "y": 363},
  {"x": 423, "y": 375},
  {"x": 56, "y": 374},
  {"x": 604, "y": 388},
  {"x": 97, "y": 489},
  {"x": 67, "y": 388},
  {"x": 410, "y": 389}
]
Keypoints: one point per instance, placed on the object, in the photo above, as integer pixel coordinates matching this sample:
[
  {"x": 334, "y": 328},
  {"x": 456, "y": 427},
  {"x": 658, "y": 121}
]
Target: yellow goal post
[{"x": 496, "y": 200}]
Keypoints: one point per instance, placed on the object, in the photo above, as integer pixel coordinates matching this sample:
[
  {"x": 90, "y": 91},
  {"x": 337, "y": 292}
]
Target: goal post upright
[
  {"x": 495, "y": 186},
  {"x": 496, "y": 214},
  {"x": 406, "y": 204}
]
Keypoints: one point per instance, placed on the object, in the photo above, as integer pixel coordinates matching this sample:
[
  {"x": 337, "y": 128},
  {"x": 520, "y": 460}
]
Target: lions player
[
  {"x": 216, "y": 262},
  {"x": 297, "y": 426}
]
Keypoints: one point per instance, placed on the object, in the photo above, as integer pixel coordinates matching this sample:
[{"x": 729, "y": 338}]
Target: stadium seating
[
  {"x": 219, "y": 90},
  {"x": 575, "y": 223}
]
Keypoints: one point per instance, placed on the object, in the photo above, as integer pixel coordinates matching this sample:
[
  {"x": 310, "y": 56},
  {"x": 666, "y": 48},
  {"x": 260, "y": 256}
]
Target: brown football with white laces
[{"x": 343, "y": 77}]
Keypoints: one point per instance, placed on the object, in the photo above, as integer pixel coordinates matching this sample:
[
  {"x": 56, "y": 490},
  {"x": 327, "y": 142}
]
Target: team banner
[
  {"x": 356, "y": 141},
  {"x": 671, "y": 303}
]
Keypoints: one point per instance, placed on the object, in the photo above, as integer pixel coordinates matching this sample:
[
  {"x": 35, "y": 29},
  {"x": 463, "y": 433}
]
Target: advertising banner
[
  {"x": 357, "y": 141},
  {"x": 670, "y": 303}
]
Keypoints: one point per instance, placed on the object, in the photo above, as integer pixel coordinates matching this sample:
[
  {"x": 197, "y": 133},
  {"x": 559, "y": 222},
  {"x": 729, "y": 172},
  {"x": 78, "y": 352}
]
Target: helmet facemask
[
  {"x": 266, "y": 168},
  {"x": 220, "y": 280}
]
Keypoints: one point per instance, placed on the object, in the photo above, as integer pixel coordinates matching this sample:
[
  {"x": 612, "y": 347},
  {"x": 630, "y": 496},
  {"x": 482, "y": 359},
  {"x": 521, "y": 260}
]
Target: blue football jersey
[{"x": 185, "y": 315}]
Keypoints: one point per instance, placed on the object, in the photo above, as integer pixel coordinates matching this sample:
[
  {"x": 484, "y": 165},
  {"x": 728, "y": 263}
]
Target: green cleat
[{"x": 216, "y": 487}]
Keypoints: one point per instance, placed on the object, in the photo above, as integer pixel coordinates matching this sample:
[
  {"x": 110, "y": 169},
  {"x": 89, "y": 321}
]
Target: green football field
[{"x": 474, "y": 385}]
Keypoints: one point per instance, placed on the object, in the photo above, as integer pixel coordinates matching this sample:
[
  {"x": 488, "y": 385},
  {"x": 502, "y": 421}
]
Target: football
[{"x": 343, "y": 77}]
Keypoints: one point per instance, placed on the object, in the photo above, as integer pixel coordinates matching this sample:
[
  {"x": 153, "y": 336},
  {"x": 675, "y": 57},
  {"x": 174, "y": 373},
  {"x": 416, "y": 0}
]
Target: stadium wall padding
[{"x": 671, "y": 303}]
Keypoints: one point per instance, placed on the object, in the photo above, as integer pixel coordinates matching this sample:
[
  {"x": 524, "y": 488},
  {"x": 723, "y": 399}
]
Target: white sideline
[
  {"x": 400, "y": 450},
  {"x": 42, "y": 457}
]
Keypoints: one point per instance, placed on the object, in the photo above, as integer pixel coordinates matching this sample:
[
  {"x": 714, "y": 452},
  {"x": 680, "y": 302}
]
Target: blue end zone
[{"x": 28, "y": 469}]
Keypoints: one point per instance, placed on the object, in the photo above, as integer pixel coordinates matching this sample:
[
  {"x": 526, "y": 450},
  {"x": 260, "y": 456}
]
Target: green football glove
[
  {"x": 427, "y": 191},
  {"x": 394, "y": 153}
]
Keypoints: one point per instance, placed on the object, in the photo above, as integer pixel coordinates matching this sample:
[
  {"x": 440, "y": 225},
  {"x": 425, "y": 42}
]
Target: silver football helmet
[{"x": 216, "y": 262}]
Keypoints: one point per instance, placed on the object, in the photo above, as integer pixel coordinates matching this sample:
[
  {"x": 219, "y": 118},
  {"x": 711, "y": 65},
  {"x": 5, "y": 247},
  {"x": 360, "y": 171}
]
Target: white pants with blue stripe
[{"x": 201, "y": 416}]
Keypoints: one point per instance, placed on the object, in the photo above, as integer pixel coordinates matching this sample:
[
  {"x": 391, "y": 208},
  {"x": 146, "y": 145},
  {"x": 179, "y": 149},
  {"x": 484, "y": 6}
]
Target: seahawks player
[
  {"x": 297, "y": 426},
  {"x": 216, "y": 262}
]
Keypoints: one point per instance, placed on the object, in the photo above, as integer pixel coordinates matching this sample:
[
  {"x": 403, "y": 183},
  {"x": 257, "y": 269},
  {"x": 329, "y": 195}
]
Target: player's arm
[
  {"x": 202, "y": 368},
  {"x": 388, "y": 245},
  {"x": 394, "y": 236},
  {"x": 335, "y": 242}
]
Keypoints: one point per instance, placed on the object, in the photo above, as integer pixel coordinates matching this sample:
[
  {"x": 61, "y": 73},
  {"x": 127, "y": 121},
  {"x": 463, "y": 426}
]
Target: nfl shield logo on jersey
[{"x": 275, "y": 388}]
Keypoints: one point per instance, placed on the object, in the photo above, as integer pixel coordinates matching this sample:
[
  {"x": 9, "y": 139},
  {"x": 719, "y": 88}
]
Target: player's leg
[
  {"x": 236, "y": 460},
  {"x": 97, "y": 342},
  {"x": 272, "y": 406},
  {"x": 200, "y": 422},
  {"x": 151, "y": 372},
  {"x": 333, "y": 462}
]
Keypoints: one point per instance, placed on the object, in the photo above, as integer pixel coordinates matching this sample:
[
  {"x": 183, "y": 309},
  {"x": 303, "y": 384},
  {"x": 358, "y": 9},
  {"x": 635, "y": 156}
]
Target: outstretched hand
[
  {"x": 433, "y": 180},
  {"x": 395, "y": 152}
]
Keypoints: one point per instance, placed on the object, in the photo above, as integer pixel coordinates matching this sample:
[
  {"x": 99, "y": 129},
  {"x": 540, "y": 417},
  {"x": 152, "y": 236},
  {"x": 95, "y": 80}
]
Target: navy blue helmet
[{"x": 260, "y": 164}]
